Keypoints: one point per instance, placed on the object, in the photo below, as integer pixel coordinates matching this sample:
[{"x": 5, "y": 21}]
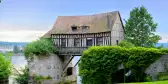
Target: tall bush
[
  {"x": 5, "y": 66},
  {"x": 99, "y": 64}
]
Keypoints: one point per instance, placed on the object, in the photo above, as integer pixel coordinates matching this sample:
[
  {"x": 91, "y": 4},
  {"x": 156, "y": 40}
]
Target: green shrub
[
  {"x": 148, "y": 79},
  {"x": 5, "y": 66},
  {"x": 126, "y": 44},
  {"x": 162, "y": 76},
  {"x": 65, "y": 82},
  {"x": 39, "y": 47},
  {"x": 39, "y": 77},
  {"x": 99, "y": 63},
  {"x": 22, "y": 78}
]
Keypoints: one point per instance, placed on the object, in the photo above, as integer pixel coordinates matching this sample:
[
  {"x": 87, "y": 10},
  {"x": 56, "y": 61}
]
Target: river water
[{"x": 19, "y": 61}]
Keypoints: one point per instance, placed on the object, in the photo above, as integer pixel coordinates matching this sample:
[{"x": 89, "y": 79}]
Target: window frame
[
  {"x": 84, "y": 28},
  {"x": 99, "y": 41},
  {"x": 77, "y": 42},
  {"x": 63, "y": 42},
  {"x": 91, "y": 39}
]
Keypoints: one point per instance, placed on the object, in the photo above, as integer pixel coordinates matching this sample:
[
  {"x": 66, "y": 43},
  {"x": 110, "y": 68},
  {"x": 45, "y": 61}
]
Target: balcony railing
[{"x": 70, "y": 50}]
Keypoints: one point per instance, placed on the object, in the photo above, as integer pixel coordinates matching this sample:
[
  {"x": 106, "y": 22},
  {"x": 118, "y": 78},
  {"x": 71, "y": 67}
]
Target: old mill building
[{"x": 73, "y": 34}]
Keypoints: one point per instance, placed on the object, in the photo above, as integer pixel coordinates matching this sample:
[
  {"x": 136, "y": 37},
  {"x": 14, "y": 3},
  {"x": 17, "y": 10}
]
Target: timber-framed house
[{"x": 73, "y": 34}]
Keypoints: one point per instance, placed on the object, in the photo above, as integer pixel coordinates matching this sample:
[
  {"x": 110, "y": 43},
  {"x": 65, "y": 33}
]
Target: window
[
  {"x": 57, "y": 76},
  {"x": 99, "y": 41},
  {"x": 77, "y": 42},
  {"x": 69, "y": 71},
  {"x": 84, "y": 28},
  {"x": 74, "y": 28},
  {"x": 89, "y": 42},
  {"x": 63, "y": 42},
  {"x": 117, "y": 42}
]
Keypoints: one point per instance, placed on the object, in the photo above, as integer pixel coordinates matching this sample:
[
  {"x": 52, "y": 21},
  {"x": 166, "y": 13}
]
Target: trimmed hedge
[{"x": 99, "y": 63}]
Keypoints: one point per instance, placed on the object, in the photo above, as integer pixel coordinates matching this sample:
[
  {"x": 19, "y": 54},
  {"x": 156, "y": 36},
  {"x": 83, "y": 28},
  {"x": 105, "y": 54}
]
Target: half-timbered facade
[{"x": 73, "y": 34}]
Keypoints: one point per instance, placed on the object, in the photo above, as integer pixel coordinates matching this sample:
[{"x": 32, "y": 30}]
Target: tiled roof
[{"x": 96, "y": 23}]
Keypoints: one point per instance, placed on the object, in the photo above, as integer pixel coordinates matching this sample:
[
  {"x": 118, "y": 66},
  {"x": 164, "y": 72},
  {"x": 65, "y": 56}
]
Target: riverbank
[{"x": 18, "y": 54}]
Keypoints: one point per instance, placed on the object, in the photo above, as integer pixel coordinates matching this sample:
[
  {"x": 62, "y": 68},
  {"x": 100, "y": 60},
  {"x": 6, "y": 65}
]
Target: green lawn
[{"x": 157, "y": 82}]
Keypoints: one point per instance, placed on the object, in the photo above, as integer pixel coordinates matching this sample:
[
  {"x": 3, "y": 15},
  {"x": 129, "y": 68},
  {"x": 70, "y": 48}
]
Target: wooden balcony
[{"x": 70, "y": 50}]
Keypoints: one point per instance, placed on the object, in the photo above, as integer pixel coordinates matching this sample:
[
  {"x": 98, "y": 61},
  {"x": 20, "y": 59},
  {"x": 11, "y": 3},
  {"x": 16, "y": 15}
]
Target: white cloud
[
  {"x": 164, "y": 37},
  {"x": 21, "y": 32},
  {"x": 20, "y": 35}
]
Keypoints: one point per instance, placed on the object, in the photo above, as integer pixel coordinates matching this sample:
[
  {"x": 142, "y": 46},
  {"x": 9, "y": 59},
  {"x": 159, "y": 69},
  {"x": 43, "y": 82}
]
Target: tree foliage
[
  {"x": 39, "y": 47},
  {"x": 126, "y": 44},
  {"x": 99, "y": 65},
  {"x": 16, "y": 49},
  {"x": 140, "y": 28},
  {"x": 5, "y": 66}
]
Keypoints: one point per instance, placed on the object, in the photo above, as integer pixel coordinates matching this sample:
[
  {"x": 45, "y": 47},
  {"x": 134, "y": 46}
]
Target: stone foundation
[
  {"x": 50, "y": 65},
  {"x": 159, "y": 65}
]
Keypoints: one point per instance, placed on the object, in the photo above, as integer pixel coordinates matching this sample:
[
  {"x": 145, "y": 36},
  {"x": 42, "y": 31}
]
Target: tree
[
  {"x": 16, "y": 49},
  {"x": 140, "y": 28}
]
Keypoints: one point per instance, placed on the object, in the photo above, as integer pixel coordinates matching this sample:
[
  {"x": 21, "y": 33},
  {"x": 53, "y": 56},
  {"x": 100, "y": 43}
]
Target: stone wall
[
  {"x": 50, "y": 65},
  {"x": 159, "y": 65},
  {"x": 117, "y": 32}
]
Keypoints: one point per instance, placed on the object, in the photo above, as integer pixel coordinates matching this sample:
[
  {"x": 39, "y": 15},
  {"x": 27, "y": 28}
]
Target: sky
[{"x": 27, "y": 20}]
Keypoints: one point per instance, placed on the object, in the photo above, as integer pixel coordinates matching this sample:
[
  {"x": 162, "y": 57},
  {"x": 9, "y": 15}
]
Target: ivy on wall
[
  {"x": 39, "y": 47},
  {"x": 99, "y": 63}
]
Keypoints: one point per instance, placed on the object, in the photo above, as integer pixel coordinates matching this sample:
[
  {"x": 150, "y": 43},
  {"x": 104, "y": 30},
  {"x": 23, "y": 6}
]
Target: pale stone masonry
[
  {"x": 160, "y": 65},
  {"x": 50, "y": 65}
]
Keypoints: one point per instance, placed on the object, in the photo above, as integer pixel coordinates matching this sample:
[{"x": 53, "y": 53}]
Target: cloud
[
  {"x": 20, "y": 35},
  {"x": 21, "y": 32},
  {"x": 164, "y": 37},
  {"x": 20, "y": 26}
]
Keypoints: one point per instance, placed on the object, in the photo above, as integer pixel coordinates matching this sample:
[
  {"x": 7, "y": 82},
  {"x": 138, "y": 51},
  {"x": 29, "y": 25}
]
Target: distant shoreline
[{"x": 18, "y": 54}]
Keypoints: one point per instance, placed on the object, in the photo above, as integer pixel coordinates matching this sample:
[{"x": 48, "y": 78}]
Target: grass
[{"x": 156, "y": 82}]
